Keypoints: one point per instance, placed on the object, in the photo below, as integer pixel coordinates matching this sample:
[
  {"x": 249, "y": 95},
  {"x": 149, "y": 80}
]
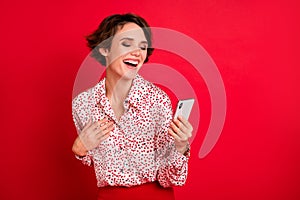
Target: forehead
[{"x": 130, "y": 30}]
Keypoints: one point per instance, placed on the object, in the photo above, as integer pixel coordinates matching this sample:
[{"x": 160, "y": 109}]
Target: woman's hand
[
  {"x": 91, "y": 136},
  {"x": 181, "y": 131}
]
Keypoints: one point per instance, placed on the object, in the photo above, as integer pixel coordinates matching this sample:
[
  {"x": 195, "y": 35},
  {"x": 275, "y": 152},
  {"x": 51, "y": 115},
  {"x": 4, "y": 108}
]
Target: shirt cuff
[
  {"x": 178, "y": 160},
  {"x": 87, "y": 159}
]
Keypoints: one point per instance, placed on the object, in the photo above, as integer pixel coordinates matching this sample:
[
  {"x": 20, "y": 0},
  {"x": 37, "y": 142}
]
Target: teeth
[{"x": 133, "y": 62}]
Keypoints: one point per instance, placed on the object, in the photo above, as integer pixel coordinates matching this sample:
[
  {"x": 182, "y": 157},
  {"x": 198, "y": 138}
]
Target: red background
[{"x": 255, "y": 45}]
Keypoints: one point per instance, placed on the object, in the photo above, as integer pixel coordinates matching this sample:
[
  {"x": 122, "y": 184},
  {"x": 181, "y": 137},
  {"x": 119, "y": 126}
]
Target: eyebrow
[{"x": 131, "y": 39}]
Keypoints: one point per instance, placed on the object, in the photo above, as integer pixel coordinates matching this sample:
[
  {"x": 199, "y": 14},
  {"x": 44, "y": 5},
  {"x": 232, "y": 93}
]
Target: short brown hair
[{"x": 102, "y": 37}]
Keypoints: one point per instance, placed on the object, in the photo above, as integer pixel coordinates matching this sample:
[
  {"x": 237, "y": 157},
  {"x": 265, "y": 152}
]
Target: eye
[
  {"x": 125, "y": 44},
  {"x": 143, "y": 48}
]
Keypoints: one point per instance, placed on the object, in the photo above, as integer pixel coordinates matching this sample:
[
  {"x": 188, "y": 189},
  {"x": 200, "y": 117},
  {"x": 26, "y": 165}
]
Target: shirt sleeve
[
  {"x": 77, "y": 107},
  {"x": 172, "y": 165},
  {"x": 86, "y": 160}
]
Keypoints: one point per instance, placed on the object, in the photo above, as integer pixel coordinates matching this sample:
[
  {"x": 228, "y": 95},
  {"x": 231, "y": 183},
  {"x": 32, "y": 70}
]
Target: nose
[{"x": 136, "y": 52}]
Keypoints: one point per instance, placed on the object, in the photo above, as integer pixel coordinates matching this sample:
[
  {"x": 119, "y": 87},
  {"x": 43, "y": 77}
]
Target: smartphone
[{"x": 184, "y": 108}]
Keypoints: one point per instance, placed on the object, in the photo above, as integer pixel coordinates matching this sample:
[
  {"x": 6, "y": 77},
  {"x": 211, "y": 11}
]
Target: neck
[{"x": 117, "y": 89}]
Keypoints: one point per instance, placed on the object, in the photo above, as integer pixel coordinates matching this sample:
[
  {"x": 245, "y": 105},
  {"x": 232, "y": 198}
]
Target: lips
[{"x": 131, "y": 62}]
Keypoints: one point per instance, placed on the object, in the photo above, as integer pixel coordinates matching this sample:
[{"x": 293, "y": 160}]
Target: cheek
[
  {"x": 123, "y": 51},
  {"x": 117, "y": 53},
  {"x": 144, "y": 54}
]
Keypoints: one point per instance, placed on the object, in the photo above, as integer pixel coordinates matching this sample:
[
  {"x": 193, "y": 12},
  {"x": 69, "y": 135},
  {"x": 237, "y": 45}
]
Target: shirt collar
[
  {"x": 137, "y": 92},
  {"x": 100, "y": 92},
  {"x": 135, "y": 96}
]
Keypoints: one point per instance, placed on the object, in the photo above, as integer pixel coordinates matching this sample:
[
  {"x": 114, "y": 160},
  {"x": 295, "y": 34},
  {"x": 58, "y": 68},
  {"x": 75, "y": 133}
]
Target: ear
[{"x": 103, "y": 51}]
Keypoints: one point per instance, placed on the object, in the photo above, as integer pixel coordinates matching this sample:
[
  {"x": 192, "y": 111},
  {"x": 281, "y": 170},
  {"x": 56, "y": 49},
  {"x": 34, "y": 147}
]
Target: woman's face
[{"x": 127, "y": 53}]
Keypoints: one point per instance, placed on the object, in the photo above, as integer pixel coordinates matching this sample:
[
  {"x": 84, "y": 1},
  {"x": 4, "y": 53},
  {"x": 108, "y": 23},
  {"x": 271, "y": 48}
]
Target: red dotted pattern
[{"x": 139, "y": 149}]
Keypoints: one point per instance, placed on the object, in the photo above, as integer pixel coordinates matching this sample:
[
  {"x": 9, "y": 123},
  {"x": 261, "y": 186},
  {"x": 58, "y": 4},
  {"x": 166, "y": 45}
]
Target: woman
[{"x": 125, "y": 125}]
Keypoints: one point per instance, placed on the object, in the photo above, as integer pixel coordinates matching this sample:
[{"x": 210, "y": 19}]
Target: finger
[
  {"x": 178, "y": 128},
  {"x": 173, "y": 134},
  {"x": 104, "y": 137},
  {"x": 181, "y": 126},
  {"x": 183, "y": 121},
  {"x": 177, "y": 131},
  {"x": 105, "y": 119},
  {"x": 87, "y": 125},
  {"x": 94, "y": 125},
  {"x": 186, "y": 123},
  {"x": 106, "y": 125},
  {"x": 105, "y": 133},
  {"x": 89, "y": 122},
  {"x": 98, "y": 124},
  {"x": 105, "y": 128},
  {"x": 186, "y": 132}
]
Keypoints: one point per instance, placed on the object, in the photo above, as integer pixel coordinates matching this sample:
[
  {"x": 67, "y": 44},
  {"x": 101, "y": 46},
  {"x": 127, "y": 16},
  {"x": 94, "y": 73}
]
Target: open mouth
[{"x": 132, "y": 63}]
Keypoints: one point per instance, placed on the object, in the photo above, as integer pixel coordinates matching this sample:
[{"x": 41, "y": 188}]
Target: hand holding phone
[{"x": 184, "y": 108}]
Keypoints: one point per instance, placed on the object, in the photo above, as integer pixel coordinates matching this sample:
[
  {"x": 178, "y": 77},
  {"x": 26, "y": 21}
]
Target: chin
[{"x": 129, "y": 75}]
